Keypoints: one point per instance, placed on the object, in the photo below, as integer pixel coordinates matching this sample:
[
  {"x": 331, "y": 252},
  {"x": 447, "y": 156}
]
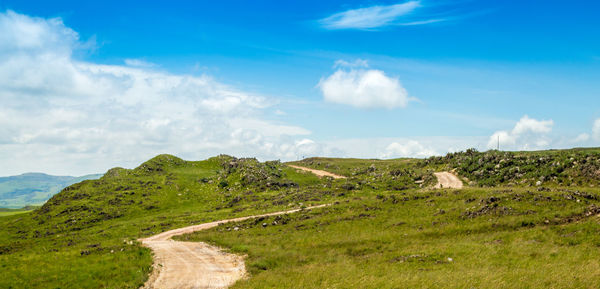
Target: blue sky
[{"x": 92, "y": 85}]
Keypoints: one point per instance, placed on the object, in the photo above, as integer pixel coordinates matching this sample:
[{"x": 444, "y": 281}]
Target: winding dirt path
[
  {"x": 319, "y": 173},
  {"x": 191, "y": 265},
  {"x": 447, "y": 180}
]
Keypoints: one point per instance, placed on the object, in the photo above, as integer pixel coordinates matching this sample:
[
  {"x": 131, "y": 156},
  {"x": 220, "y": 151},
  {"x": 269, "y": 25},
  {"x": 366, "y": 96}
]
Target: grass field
[
  {"x": 474, "y": 238},
  {"x": 386, "y": 229},
  {"x": 85, "y": 236},
  {"x": 13, "y": 212}
]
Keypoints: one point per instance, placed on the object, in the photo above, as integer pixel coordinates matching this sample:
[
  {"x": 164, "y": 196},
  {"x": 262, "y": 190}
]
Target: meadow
[
  {"x": 385, "y": 228},
  {"x": 472, "y": 238},
  {"x": 10, "y": 212}
]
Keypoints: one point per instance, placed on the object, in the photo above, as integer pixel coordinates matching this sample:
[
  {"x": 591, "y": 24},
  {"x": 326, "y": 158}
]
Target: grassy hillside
[
  {"x": 84, "y": 237},
  {"x": 34, "y": 188},
  {"x": 386, "y": 229},
  {"x": 10, "y": 212},
  {"x": 475, "y": 238},
  {"x": 574, "y": 167},
  {"x": 396, "y": 175}
]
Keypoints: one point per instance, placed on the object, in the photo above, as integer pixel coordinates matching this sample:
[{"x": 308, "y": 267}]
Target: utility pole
[{"x": 498, "y": 142}]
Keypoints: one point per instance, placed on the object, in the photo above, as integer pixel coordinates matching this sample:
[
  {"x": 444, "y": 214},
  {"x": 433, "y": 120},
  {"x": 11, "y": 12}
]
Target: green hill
[
  {"x": 385, "y": 228},
  {"x": 34, "y": 188},
  {"x": 574, "y": 167}
]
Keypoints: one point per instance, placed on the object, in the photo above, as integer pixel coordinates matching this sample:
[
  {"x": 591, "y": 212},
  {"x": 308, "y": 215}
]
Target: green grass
[
  {"x": 574, "y": 167},
  {"x": 405, "y": 240},
  {"x": 385, "y": 229},
  {"x": 81, "y": 237},
  {"x": 10, "y": 212}
]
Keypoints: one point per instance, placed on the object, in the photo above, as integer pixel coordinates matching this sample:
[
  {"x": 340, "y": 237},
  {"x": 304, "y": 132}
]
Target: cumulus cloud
[
  {"x": 596, "y": 130},
  {"x": 587, "y": 138},
  {"x": 410, "y": 148},
  {"x": 530, "y": 125},
  {"x": 67, "y": 116},
  {"x": 363, "y": 88},
  {"x": 582, "y": 138},
  {"x": 31, "y": 34},
  {"x": 527, "y": 134}
]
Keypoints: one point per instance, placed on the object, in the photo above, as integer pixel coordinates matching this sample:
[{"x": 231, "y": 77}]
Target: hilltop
[{"x": 532, "y": 226}]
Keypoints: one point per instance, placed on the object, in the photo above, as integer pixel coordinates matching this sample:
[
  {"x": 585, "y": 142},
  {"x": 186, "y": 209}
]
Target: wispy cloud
[
  {"x": 139, "y": 63},
  {"x": 372, "y": 17}
]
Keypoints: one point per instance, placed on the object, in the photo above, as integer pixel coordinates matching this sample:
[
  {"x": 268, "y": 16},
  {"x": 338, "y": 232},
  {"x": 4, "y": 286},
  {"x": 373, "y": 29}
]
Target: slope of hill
[
  {"x": 574, "y": 167},
  {"x": 34, "y": 188},
  {"x": 386, "y": 225}
]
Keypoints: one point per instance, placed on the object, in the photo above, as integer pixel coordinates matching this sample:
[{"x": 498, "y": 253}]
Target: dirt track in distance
[
  {"x": 447, "y": 180},
  {"x": 319, "y": 173}
]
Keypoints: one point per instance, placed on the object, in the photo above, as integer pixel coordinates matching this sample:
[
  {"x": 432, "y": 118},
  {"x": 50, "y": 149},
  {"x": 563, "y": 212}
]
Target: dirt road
[
  {"x": 447, "y": 180},
  {"x": 318, "y": 172},
  {"x": 191, "y": 265}
]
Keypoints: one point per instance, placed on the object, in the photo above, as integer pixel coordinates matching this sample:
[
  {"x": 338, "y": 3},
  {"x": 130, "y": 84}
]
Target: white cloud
[
  {"x": 410, "y": 148},
  {"x": 66, "y": 116},
  {"x": 352, "y": 64},
  {"x": 596, "y": 130},
  {"x": 402, "y": 14},
  {"x": 502, "y": 139},
  {"x": 363, "y": 88},
  {"x": 266, "y": 128},
  {"x": 582, "y": 138},
  {"x": 530, "y": 125},
  {"x": 370, "y": 17},
  {"x": 24, "y": 33},
  {"x": 415, "y": 146},
  {"x": 139, "y": 63},
  {"x": 527, "y": 134}
]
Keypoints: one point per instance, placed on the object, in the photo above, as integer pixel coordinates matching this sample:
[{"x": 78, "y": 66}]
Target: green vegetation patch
[
  {"x": 85, "y": 236},
  {"x": 575, "y": 167},
  {"x": 385, "y": 229},
  {"x": 473, "y": 238}
]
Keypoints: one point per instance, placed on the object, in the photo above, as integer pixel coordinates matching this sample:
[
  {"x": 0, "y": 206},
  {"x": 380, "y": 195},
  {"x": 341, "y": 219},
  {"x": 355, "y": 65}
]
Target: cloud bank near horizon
[
  {"x": 527, "y": 134},
  {"x": 61, "y": 115}
]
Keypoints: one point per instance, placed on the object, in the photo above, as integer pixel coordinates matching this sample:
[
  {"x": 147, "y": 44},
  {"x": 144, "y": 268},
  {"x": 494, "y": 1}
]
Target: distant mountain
[{"x": 34, "y": 188}]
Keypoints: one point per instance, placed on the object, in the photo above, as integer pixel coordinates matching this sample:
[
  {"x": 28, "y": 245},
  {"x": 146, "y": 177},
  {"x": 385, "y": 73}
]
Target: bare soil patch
[
  {"x": 187, "y": 265},
  {"x": 319, "y": 173}
]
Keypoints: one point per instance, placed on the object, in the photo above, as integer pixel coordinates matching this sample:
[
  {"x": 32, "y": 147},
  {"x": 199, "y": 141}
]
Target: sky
[{"x": 90, "y": 85}]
